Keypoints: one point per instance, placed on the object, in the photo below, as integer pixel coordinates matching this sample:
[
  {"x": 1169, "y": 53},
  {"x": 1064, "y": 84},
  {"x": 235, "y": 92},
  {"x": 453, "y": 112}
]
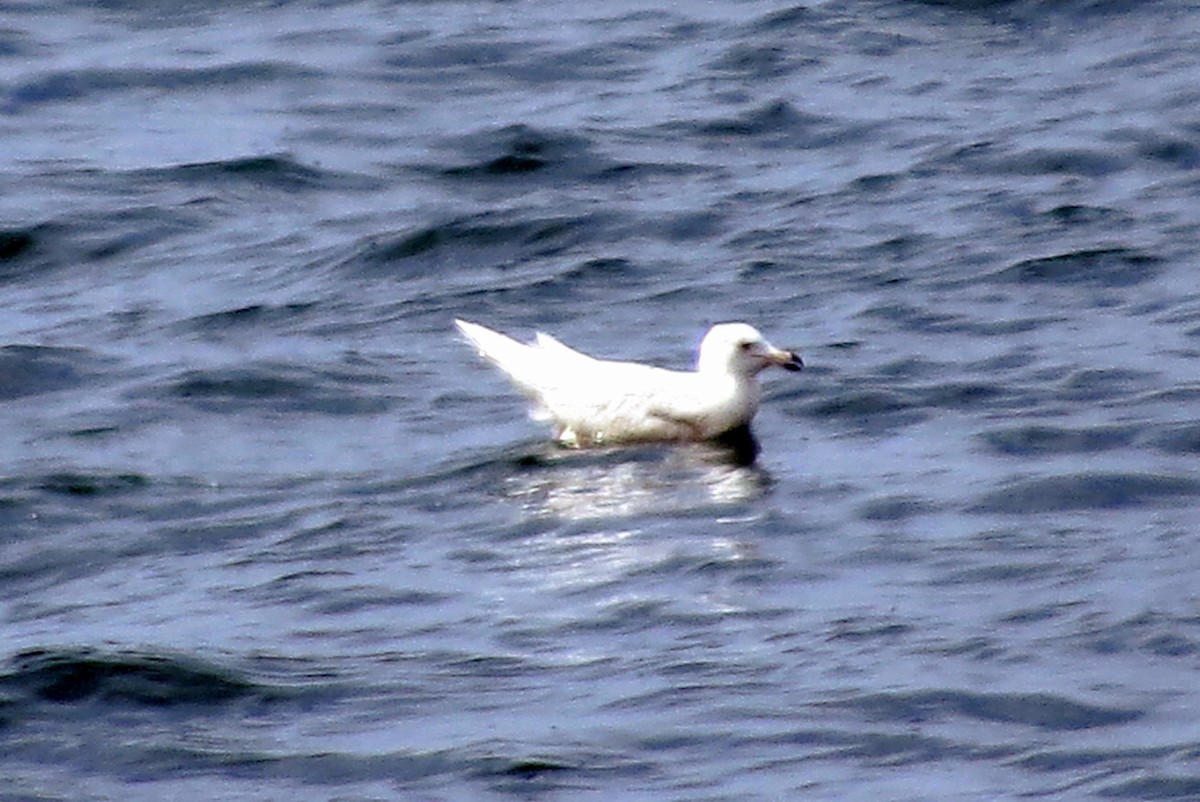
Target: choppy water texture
[{"x": 268, "y": 532}]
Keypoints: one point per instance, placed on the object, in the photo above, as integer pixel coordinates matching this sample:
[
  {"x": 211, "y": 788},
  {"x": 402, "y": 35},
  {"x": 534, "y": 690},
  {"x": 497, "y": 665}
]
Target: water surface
[{"x": 267, "y": 531}]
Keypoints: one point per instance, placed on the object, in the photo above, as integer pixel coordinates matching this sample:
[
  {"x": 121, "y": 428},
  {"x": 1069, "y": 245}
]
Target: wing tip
[{"x": 473, "y": 333}]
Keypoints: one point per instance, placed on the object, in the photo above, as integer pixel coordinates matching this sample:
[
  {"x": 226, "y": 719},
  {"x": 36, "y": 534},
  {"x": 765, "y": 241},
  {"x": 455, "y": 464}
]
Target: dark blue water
[{"x": 269, "y": 532}]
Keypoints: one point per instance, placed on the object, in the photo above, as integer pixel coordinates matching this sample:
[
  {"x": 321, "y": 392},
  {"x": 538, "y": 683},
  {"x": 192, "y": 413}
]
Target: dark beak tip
[{"x": 796, "y": 365}]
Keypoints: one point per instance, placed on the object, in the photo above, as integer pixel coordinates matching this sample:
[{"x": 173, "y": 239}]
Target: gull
[{"x": 597, "y": 402}]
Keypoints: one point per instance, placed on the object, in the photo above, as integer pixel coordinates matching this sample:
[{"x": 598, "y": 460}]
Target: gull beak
[{"x": 788, "y": 360}]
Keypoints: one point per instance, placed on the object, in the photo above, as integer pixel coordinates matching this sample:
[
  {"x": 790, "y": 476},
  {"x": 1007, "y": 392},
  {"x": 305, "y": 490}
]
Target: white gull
[{"x": 593, "y": 402}]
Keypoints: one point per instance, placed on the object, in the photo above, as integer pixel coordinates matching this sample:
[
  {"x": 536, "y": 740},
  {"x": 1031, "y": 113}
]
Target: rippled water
[{"x": 268, "y": 531}]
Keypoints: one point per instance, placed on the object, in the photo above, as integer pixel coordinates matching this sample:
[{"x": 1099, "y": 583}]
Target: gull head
[{"x": 738, "y": 349}]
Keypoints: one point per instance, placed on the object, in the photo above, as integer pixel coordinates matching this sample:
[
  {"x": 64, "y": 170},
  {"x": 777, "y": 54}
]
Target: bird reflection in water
[{"x": 616, "y": 483}]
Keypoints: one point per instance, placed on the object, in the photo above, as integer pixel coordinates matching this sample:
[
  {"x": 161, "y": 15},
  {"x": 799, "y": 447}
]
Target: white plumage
[{"x": 596, "y": 402}]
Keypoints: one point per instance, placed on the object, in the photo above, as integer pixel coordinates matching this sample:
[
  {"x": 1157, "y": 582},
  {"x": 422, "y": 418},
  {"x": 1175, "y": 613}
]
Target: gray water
[{"x": 268, "y": 531}]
